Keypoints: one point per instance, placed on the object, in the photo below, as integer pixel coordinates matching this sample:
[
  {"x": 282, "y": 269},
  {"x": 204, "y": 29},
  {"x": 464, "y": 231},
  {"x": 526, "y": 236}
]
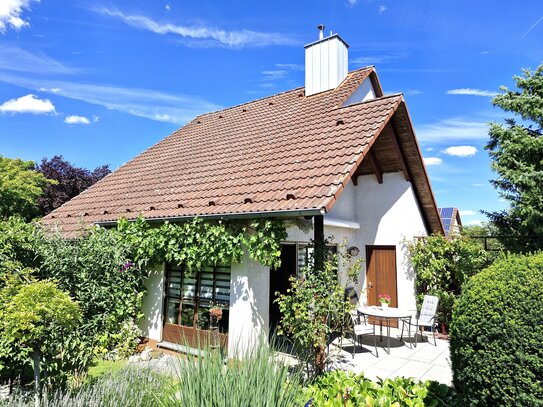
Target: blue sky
[{"x": 101, "y": 81}]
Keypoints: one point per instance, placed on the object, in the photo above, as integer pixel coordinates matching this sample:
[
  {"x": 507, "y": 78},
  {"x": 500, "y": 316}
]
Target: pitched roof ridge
[{"x": 349, "y": 74}]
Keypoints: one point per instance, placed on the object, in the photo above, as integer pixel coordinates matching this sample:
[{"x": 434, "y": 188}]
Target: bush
[
  {"x": 442, "y": 265},
  {"x": 496, "y": 334},
  {"x": 339, "y": 388}
]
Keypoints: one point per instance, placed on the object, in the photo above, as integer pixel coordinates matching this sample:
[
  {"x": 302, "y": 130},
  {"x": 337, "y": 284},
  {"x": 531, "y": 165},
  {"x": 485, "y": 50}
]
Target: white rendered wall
[
  {"x": 388, "y": 214},
  {"x": 363, "y": 93},
  {"x": 151, "y": 324},
  {"x": 249, "y": 305}
]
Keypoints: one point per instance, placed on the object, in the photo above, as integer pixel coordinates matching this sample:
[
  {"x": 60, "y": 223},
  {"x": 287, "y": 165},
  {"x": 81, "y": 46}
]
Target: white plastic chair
[
  {"x": 426, "y": 318},
  {"x": 361, "y": 327}
]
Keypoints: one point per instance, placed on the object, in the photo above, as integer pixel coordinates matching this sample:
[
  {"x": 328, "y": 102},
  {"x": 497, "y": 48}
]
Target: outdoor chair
[
  {"x": 360, "y": 326},
  {"x": 425, "y": 318}
]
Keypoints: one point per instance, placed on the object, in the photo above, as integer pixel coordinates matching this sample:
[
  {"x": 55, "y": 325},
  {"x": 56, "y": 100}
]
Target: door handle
[{"x": 370, "y": 284}]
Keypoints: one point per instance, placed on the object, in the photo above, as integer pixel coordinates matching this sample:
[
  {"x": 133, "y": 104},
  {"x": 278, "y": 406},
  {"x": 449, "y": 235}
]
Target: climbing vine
[{"x": 202, "y": 242}]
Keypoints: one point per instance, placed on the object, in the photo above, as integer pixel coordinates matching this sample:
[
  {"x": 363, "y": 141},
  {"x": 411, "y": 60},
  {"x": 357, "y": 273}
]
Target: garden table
[{"x": 387, "y": 314}]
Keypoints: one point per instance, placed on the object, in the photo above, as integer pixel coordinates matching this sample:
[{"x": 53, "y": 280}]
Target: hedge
[{"x": 497, "y": 334}]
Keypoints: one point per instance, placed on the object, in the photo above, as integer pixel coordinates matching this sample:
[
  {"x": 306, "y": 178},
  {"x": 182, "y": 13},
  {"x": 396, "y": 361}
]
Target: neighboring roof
[
  {"x": 283, "y": 153},
  {"x": 450, "y": 217}
]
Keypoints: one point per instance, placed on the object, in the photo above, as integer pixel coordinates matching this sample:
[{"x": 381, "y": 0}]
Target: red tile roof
[{"x": 286, "y": 152}]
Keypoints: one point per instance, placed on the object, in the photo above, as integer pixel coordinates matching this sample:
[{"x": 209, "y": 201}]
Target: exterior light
[{"x": 353, "y": 251}]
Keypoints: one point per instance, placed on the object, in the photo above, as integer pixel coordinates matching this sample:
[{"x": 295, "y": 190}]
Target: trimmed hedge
[{"x": 497, "y": 335}]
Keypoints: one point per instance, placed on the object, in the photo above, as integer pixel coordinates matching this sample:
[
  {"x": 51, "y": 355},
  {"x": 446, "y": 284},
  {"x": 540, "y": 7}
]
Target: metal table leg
[{"x": 388, "y": 334}]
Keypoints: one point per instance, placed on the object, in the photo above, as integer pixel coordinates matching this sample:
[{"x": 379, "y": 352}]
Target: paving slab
[{"x": 425, "y": 362}]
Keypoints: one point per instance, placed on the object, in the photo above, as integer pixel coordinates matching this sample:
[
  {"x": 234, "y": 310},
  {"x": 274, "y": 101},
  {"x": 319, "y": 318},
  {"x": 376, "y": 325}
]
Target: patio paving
[{"x": 425, "y": 362}]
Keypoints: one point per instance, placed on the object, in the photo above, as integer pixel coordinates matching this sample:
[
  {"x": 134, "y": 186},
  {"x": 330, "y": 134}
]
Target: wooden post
[
  {"x": 319, "y": 257},
  {"x": 318, "y": 237}
]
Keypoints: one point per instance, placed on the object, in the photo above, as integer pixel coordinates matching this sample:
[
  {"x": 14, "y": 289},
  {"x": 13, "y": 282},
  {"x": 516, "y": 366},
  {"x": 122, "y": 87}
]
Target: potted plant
[
  {"x": 216, "y": 312},
  {"x": 384, "y": 299}
]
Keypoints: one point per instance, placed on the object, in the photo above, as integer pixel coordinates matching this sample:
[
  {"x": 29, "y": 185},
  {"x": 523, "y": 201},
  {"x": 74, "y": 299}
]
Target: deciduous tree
[
  {"x": 20, "y": 187},
  {"x": 71, "y": 181}
]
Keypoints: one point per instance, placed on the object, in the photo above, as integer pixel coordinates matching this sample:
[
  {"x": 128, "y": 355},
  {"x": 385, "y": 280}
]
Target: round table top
[{"x": 389, "y": 312}]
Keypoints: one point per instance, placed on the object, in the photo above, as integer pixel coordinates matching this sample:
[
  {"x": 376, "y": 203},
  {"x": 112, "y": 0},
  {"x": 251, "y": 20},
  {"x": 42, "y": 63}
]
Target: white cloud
[
  {"x": 467, "y": 212},
  {"x": 76, "y": 120},
  {"x": 352, "y": 2},
  {"x": 11, "y": 14},
  {"x": 146, "y": 103},
  {"x": 474, "y": 222},
  {"x": 461, "y": 151},
  {"x": 291, "y": 67},
  {"x": 274, "y": 74},
  {"x": 382, "y": 9},
  {"x": 168, "y": 8},
  {"x": 27, "y": 104},
  {"x": 453, "y": 129},
  {"x": 432, "y": 160},
  {"x": 203, "y": 35},
  {"x": 477, "y": 185},
  {"x": 472, "y": 92},
  {"x": 377, "y": 59},
  {"x": 18, "y": 60}
]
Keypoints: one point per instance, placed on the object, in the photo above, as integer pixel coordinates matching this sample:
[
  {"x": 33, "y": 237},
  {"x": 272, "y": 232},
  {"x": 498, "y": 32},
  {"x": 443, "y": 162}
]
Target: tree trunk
[
  {"x": 36, "y": 378},
  {"x": 320, "y": 361}
]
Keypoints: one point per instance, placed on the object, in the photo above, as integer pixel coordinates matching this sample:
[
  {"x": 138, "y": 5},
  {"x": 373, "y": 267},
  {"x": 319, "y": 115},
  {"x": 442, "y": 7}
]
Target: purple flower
[
  {"x": 309, "y": 403},
  {"x": 127, "y": 265}
]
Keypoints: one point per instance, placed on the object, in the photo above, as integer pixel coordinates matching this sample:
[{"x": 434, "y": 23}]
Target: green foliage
[
  {"x": 442, "y": 266},
  {"x": 96, "y": 271},
  {"x": 257, "y": 379},
  {"x": 516, "y": 150},
  {"x": 339, "y": 388},
  {"x": 200, "y": 242},
  {"x": 34, "y": 318},
  {"x": 496, "y": 332},
  {"x": 129, "y": 386},
  {"x": 20, "y": 187},
  {"x": 313, "y": 307},
  {"x": 104, "y": 271},
  {"x": 38, "y": 310}
]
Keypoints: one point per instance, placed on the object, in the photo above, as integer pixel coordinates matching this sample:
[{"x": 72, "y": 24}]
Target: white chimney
[{"x": 326, "y": 63}]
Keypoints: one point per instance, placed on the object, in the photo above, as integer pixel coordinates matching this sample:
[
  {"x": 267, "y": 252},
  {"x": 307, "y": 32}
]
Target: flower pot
[{"x": 384, "y": 305}]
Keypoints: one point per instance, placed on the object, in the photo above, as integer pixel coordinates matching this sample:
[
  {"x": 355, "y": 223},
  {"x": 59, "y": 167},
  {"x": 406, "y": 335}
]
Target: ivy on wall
[{"x": 203, "y": 242}]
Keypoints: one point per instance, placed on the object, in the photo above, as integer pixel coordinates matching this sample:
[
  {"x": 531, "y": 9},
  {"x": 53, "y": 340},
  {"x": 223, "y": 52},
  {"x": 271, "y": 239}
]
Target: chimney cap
[{"x": 320, "y": 27}]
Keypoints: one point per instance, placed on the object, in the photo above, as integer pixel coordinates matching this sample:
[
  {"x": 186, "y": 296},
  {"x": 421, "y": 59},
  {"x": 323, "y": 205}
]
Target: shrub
[
  {"x": 34, "y": 319},
  {"x": 442, "y": 265},
  {"x": 339, "y": 388},
  {"x": 496, "y": 334}
]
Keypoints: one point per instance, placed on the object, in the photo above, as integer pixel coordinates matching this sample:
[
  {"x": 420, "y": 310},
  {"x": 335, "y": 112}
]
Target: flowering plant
[{"x": 384, "y": 298}]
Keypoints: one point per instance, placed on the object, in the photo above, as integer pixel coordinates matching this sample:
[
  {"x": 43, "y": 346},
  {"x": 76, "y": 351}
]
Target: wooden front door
[{"x": 381, "y": 275}]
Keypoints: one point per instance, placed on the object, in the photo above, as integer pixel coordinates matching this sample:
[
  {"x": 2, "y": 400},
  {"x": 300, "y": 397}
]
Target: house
[
  {"x": 452, "y": 224},
  {"x": 336, "y": 157}
]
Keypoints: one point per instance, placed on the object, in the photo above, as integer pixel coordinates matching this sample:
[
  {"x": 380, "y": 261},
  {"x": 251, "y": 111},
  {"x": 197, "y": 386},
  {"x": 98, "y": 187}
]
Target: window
[
  {"x": 305, "y": 254},
  {"x": 189, "y": 296}
]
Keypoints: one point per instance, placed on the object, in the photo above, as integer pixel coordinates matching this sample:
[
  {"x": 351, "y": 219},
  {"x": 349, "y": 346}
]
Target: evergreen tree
[{"x": 516, "y": 151}]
